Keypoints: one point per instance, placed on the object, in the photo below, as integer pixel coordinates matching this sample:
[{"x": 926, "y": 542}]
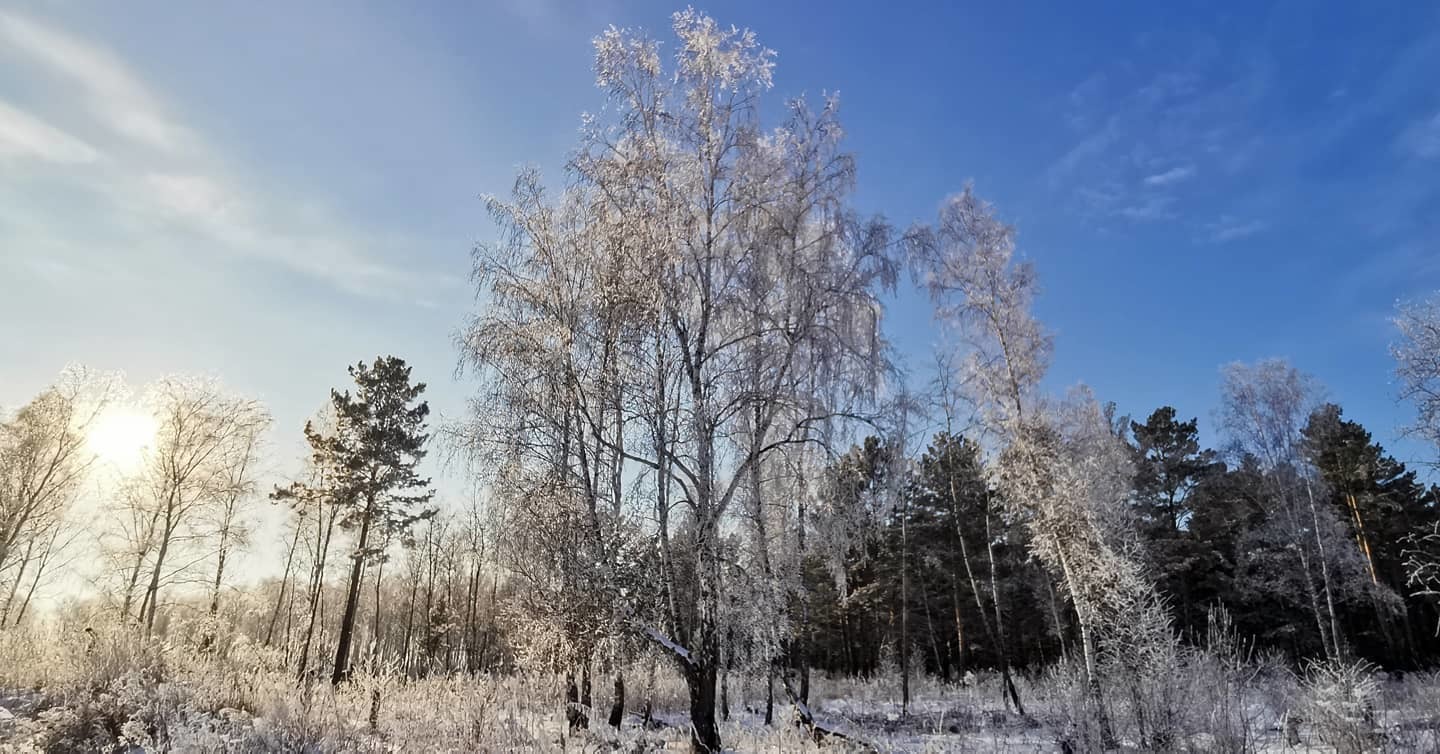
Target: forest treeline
[
  {"x": 1210, "y": 533},
  {"x": 691, "y": 443}
]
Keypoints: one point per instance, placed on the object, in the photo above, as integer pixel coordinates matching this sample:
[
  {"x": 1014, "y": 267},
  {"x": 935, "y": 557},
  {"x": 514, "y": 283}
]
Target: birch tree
[
  {"x": 1264, "y": 408},
  {"x": 314, "y": 499},
  {"x": 204, "y": 436},
  {"x": 230, "y": 517},
  {"x": 1060, "y": 468},
  {"x": 44, "y": 462},
  {"x": 699, "y": 299},
  {"x": 1417, "y": 364}
]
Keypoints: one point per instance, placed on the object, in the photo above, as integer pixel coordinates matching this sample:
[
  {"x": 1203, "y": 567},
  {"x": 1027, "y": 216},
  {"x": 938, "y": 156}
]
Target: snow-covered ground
[{"x": 68, "y": 693}]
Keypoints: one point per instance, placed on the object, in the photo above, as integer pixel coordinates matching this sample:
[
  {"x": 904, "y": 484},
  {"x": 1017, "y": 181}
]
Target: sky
[{"x": 269, "y": 192}]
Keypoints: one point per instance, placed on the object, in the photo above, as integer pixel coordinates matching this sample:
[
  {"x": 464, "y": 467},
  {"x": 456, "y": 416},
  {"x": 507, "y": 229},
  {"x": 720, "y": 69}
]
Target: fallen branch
[{"x": 806, "y": 719}]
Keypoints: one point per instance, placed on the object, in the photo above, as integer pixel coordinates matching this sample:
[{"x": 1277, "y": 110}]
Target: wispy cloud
[
  {"x": 1229, "y": 228},
  {"x": 24, "y": 135},
  {"x": 1144, "y": 140},
  {"x": 1093, "y": 145},
  {"x": 1150, "y": 208},
  {"x": 115, "y": 97},
  {"x": 195, "y": 194},
  {"x": 1422, "y": 139},
  {"x": 1173, "y": 175}
]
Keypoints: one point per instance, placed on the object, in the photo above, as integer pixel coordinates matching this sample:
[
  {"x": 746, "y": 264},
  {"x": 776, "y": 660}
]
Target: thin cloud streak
[
  {"x": 24, "y": 135},
  {"x": 1173, "y": 175},
  {"x": 1229, "y": 228},
  {"x": 196, "y": 194},
  {"x": 116, "y": 97}
]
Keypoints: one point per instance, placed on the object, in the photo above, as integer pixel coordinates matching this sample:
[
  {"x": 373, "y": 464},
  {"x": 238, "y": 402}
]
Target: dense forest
[{"x": 692, "y": 453}]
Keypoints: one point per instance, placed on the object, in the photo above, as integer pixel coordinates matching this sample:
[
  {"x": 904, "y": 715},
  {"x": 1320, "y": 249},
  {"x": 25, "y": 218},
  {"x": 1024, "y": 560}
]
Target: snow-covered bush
[{"x": 1339, "y": 702}]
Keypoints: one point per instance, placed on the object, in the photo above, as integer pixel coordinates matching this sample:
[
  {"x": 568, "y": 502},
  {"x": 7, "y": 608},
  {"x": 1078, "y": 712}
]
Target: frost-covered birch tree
[
  {"x": 1264, "y": 408},
  {"x": 44, "y": 462},
  {"x": 1059, "y": 467},
  {"x": 1417, "y": 365},
  {"x": 699, "y": 299},
  {"x": 204, "y": 440}
]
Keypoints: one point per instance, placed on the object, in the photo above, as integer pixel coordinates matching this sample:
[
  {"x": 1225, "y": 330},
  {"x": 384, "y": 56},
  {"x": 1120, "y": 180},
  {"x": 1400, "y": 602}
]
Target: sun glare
[{"x": 120, "y": 437}]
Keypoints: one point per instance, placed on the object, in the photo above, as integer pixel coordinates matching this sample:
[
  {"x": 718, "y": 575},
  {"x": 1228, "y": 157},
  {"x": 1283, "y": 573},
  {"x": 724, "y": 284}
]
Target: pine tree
[
  {"x": 378, "y": 441},
  {"x": 1380, "y": 503},
  {"x": 1169, "y": 466}
]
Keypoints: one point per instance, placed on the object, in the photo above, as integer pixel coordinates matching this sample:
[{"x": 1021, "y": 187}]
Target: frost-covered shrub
[
  {"x": 1339, "y": 702},
  {"x": 1223, "y": 672},
  {"x": 1145, "y": 669},
  {"x": 1411, "y": 705},
  {"x": 1072, "y": 706}
]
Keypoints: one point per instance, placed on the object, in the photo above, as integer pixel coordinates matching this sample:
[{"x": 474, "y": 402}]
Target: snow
[{"x": 664, "y": 641}]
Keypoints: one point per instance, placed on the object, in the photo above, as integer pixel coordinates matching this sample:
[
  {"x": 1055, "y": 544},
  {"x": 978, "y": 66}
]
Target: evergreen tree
[
  {"x": 378, "y": 441},
  {"x": 1169, "y": 466},
  {"x": 1380, "y": 503}
]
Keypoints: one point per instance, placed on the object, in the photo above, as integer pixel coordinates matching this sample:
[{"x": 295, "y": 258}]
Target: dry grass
[{"x": 79, "y": 691}]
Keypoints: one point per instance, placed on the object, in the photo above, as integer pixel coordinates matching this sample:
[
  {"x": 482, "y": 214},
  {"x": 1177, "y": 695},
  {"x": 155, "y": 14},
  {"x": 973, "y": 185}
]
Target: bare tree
[
  {"x": 43, "y": 463},
  {"x": 1060, "y": 468},
  {"x": 994, "y": 632},
  {"x": 1417, "y": 364},
  {"x": 204, "y": 440},
  {"x": 314, "y": 499},
  {"x": 1264, "y": 408},
  {"x": 229, "y": 516}
]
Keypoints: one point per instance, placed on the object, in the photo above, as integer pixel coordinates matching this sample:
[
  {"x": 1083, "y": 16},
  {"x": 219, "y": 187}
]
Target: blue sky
[{"x": 268, "y": 193}]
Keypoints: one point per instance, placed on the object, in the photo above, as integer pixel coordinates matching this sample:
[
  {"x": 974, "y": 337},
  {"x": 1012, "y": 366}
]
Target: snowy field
[{"x": 72, "y": 691}]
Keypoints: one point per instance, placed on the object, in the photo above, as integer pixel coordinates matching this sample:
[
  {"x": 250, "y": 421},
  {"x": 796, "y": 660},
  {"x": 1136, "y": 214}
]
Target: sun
[{"x": 120, "y": 436}]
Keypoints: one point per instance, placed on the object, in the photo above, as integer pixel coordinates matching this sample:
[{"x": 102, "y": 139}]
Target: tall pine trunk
[{"x": 352, "y": 601}]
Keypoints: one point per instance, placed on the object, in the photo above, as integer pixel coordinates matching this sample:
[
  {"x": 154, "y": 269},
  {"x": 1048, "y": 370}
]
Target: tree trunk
[
  {"x": 152, "y": 593},
  {"x": 219, "y": 577},
  {"x": 802, "y": 638},
  {"x": 573, "y": 716},
  {"x": 725, "y": 690},
  {"x": 1087, "y": 650},
  {"x": 585, "y": 698},
  {"x": 284, "y": 586},
  {"x": 352, "y": 602},
  {"x": 472, "y": 622},
  {"x": 1361, "y": 538},
  {"x": 930, "y": 631},
  {"x": 29, "y": 593},
  {"x": 1314, "y": 599},
  {"x": 959, "y": 625},
  {"x": 1003, "y": 643},
  {"x": 704, "y": 733},
  {"x": 323, "y": 532},
  {"x": 375, "y": 632},
  {"x": 409, "y": 624},
  {"x": 770, "y": 694},
  {"x": 994, "y": 634},
  {"x": 15, "y": 585},
  {"x": 617, "y": 707},
  {"x": 1335, "y": 636},
  {"x": 44, "y": 559},
  {"x": 131, "y": 583},
  {"x": 904, "y": 610}
]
